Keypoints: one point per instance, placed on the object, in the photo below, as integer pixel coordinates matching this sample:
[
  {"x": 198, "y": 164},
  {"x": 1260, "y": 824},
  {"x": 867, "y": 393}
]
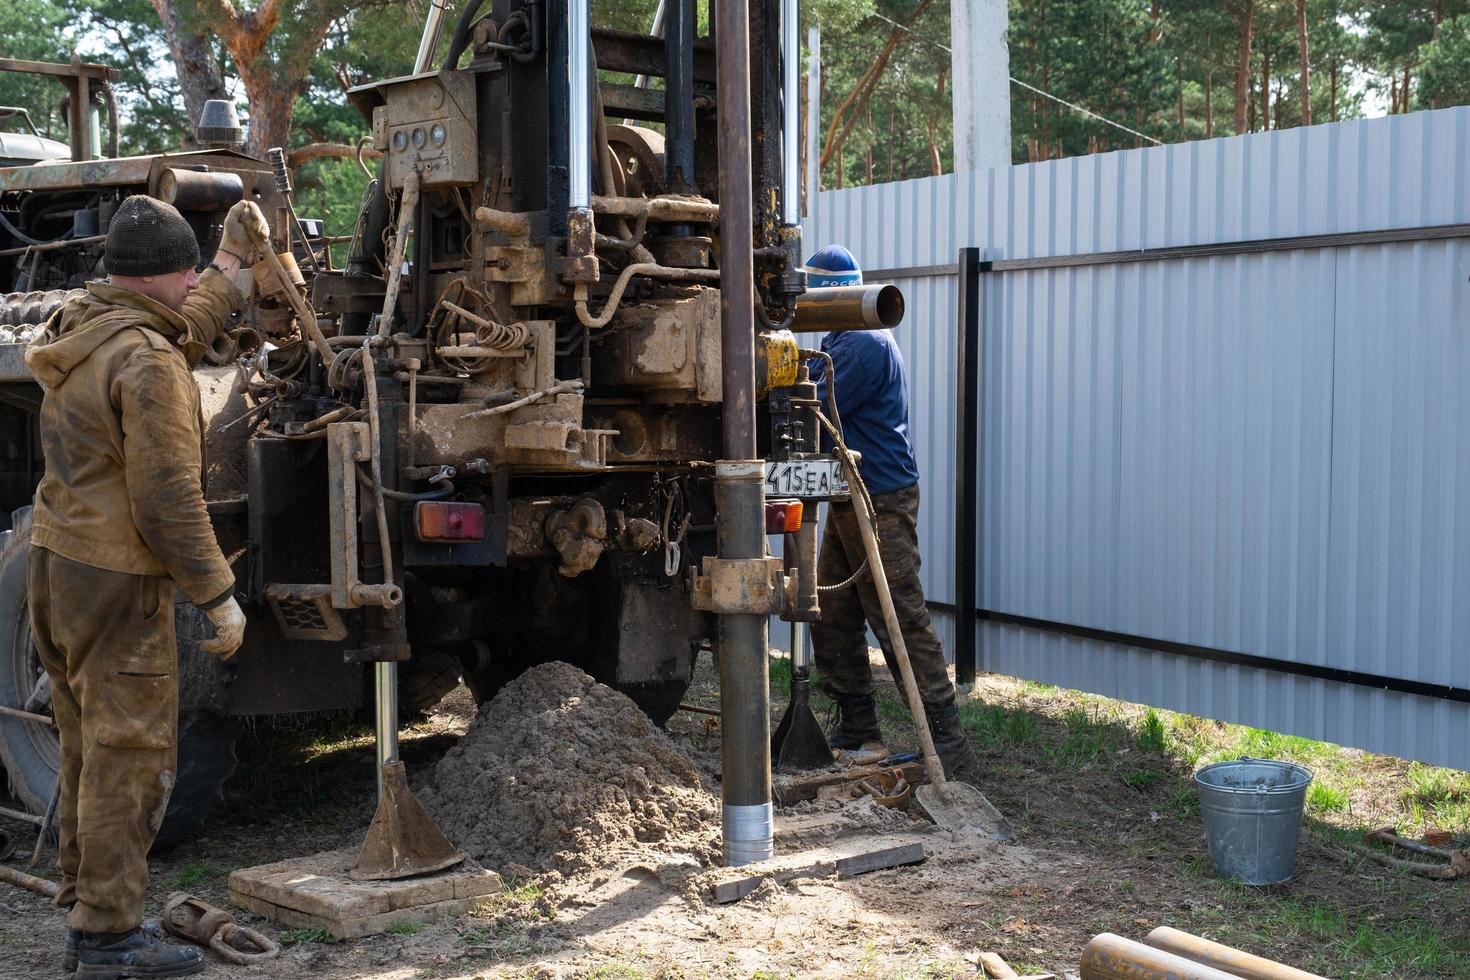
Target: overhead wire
[{"x": 1030, "y": 88}]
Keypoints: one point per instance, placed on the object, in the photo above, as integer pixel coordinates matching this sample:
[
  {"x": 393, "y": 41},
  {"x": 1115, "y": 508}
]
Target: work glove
[
  {"x": 245, "y": 230},
  {"x": 229, "y": 629}
]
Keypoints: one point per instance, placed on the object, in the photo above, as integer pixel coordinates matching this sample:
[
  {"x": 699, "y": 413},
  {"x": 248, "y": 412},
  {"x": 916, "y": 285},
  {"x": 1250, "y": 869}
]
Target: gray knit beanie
[{"x": 149, "y": 238}]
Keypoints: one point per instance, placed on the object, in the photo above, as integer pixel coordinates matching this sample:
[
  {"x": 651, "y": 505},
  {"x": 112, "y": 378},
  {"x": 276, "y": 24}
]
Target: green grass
[
  {"x": 1151, "y": 734},
  {"x": 997, "y": 725},
  {"x": 405, "y": 927},
  {"x": 1326, "y": 799},
  {"x": 292, "y": 937},
  {"x": 192, "y": 875},
  {"x": 1143, "y": 778}
]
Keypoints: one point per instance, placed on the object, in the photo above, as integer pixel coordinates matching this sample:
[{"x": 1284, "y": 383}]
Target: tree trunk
[
  {"x": 1243, "y": 66},
  {"x": 271, "y": 101},
  {"x": 1266, "y": 90},
  {"x": 199, "y": 73},
  {"x": 1209, "y": 103},
  {"x": 846, "y": 114},
  {"x": 1306, "y": 80},
  {"x": 1404, "y": 90},
  {"x": 1179, "y": 84},
  {"x": 891, "y": 105},
  {"x": 1332, "y": 83}
]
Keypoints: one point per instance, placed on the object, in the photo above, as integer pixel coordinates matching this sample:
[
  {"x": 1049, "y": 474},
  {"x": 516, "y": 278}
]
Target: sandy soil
[{"x": 1092, "y": 855}]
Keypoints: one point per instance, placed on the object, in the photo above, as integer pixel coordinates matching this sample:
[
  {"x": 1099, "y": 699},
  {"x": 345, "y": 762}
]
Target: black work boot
[
  {"x": 115, "y": 955},
  {"x": 152, "y": 927},
  {"x": 857, "y": 722},
  {"x": 952, "y": 742}
]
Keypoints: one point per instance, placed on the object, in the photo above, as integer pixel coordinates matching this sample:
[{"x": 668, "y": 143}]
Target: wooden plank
[
  {"x": 820, "y": 863},
  {"x": 879, "y": 860}
]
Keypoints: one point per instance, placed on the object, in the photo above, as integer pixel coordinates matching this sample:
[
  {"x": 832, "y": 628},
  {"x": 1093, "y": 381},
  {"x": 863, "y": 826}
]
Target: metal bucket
[{"x": 1253, "y": 817}]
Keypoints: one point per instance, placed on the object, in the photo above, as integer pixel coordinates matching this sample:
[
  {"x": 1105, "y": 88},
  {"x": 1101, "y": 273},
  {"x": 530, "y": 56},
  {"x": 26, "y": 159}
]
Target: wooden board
[
  {"x": 315, "y": 892},
  {"x": 845, "y": 862}
]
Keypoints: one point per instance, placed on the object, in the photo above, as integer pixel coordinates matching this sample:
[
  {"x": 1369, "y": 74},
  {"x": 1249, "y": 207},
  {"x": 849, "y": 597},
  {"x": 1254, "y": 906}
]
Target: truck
[{"x": 495, "y": 436}]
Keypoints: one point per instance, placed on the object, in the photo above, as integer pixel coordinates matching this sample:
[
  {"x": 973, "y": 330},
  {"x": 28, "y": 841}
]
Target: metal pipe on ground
[
  {"x": 747, "y": 818},
  {"x": 1237, "y": 962},
  {"x": 1111, "y": 957},
  {"x": 828, "y": 308}
]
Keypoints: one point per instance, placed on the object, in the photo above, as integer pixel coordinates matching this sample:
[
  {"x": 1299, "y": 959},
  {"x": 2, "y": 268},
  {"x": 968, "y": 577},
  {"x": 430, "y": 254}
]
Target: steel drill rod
[
  {"x": 1237, "y": 962},
  {"x": 745, "y": 755}
]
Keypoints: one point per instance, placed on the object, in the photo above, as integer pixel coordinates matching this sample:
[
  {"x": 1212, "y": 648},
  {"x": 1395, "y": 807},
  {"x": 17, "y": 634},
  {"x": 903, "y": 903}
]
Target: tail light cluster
[
  {"x": 783, "y": 516},
  {"x": 443, "y": 520}
]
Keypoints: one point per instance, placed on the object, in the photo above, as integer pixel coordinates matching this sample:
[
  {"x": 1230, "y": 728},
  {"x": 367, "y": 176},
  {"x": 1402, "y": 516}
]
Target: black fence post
[{"x": 969, "y": 361}]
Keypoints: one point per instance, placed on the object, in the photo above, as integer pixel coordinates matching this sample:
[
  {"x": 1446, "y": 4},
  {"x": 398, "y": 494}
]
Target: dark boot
[
  {"x": 152, "y": 927},
  {"x": 114, "y": 955},
  {"x": 952, "y": 742},
  {"x": 857, "y": 722}
]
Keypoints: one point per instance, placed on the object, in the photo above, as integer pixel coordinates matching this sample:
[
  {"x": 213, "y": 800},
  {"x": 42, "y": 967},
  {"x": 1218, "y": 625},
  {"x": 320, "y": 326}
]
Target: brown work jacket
[{"x": 122, "y": 433}]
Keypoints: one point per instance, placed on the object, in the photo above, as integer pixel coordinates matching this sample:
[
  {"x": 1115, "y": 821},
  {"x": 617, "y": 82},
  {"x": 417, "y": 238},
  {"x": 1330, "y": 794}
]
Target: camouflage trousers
[
  {"x": 107, "y": 640},
  {"x": 839, "y": 641}
]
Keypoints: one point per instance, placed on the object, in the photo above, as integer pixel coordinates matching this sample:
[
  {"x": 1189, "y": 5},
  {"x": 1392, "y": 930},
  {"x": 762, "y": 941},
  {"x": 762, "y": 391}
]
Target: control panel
[{"x": 427, "y": 123}]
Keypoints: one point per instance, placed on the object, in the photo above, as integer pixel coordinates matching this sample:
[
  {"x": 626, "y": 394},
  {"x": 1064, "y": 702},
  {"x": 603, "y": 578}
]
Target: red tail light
[
  {"x": 783, "y": 516},
  {"x": 441, "y": 520}
]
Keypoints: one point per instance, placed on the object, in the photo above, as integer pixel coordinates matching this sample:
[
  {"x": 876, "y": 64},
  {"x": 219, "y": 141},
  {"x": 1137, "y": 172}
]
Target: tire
[
  {"x": 424, "y": 679},
  {"x": 29, "y": 750}
]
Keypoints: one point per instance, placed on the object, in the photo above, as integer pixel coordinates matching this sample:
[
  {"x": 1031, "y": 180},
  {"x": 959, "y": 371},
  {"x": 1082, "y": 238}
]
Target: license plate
[{"x": 805, "y": 478}]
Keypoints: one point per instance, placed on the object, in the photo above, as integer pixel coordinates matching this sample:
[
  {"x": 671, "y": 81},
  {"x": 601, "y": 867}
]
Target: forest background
[{"x": 1154, "y": 70}]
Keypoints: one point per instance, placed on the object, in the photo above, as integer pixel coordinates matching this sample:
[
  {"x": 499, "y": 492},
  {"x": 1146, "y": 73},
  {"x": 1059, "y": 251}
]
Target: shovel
[
  {"x": 953, "y": 806},
  {"x": 798, "y": 742}
]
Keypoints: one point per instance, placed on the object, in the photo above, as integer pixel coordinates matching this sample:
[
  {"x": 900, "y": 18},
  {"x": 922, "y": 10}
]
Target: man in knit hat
[
  {"x": 119, "y": 525},
  {"x": 872, "y": 389}
]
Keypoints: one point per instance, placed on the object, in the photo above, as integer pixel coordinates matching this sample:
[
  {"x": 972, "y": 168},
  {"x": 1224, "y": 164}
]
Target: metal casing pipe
[
  {"x": 828, "y": 308},
  {"x": 1237, "y": 962},
  {"x": 194, "y": 190},
  {"x": 429, "y": 40},
  {"x": 579, "y": 114},
  {"x": 747, "y": 818},
  {"x": 1111, "y": 957},
  {"x": 790, "y": 112}
]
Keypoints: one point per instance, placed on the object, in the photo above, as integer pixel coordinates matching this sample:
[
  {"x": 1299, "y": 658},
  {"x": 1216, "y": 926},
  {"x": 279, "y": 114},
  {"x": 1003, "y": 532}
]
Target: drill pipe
[
  {"x": 1110, "y": 957},
  {"x": 848, "y": 308},
  {"x": 745, "y": 757},
  {"x": 1227, "y": 958}
]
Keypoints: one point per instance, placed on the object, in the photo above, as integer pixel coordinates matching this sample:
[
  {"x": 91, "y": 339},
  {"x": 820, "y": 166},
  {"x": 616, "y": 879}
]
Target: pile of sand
[{"x": 558, "y": 771}]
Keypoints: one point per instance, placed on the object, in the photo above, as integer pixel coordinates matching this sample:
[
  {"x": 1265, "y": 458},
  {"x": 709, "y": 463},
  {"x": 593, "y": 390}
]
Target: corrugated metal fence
[{"x": 1221, "y": 462}]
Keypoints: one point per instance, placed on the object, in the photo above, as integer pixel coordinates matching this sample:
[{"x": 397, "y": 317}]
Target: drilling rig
[{"x": 556, "y": 398}]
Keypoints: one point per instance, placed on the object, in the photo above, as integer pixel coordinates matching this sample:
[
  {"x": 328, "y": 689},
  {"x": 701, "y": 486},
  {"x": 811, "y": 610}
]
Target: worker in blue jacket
[{"x": 871, "y": 385}]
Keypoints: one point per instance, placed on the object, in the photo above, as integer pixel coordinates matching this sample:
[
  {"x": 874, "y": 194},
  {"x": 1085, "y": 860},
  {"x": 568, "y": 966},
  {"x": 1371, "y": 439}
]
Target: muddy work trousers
[
  {"x": 107, "y": 640},
  {"x": 839, "y": 641}
]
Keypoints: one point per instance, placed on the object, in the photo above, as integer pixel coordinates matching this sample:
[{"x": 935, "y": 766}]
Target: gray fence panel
[{"x": 1257, "y": 453}]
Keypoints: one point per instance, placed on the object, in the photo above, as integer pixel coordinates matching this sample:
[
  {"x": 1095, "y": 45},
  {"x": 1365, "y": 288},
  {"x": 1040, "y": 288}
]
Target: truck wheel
[
  {"x": 30, "y": 751},
  {"x": 424, "y": 679}
]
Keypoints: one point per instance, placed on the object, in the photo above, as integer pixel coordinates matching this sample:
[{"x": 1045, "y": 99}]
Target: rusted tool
[
  {"x": 1457, "y": 862},
  {"x": 798, "y": 742},
  {"x": 29, "y": 882},
  {"x": 1111, "y": 957},
  {"x": 192, "y": 919},
  {"x": 403, "y": 840},
  {"x": 1234, "y": 961}
]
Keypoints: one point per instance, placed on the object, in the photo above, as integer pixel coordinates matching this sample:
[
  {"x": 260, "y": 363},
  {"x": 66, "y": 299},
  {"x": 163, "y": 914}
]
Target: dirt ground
[{"x": 1107, "y": 840}]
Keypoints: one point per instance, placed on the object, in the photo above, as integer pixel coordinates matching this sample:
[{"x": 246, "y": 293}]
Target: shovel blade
[
  {"x": 798, "y": 742},
  {"x": 962, "y": 807},
  {"x": 403, "y": 839}
]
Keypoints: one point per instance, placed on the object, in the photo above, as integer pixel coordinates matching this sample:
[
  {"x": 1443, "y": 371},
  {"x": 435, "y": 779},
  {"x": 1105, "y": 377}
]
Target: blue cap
[{"x": 832, "y": 266}]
